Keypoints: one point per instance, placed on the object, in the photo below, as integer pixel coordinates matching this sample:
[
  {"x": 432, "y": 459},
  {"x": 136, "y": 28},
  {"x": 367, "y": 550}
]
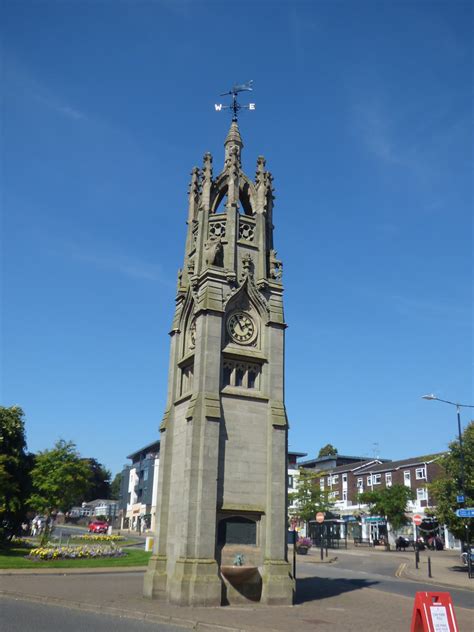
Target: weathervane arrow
[{"x": 235, "y": 105}]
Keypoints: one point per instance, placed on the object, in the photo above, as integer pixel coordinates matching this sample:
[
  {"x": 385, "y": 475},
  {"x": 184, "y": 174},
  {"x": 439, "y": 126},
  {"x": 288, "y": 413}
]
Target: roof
[
  {"x": 297, "y": 454},
  {"x": 101, "y": 501},
  {"x": 332, "y": 457},
  {"x": 352, "y": 467},
  {"x": 397, "y": 465},
  {"x": 151, "y": 447}
]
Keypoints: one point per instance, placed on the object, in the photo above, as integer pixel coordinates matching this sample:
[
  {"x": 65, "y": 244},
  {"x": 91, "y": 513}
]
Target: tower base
[
  {"x": 278, "y": 585},
  {"x": 154, "y": 585},
  {"x": 195, "y": 582}
]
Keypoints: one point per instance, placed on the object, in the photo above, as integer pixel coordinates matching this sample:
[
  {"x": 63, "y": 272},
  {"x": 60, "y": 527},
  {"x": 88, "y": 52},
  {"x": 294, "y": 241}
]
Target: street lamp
[{"x": 461, "y": 448}]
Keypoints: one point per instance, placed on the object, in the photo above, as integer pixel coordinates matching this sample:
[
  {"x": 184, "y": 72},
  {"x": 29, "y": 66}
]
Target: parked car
[{"x": 98, "y": 526}]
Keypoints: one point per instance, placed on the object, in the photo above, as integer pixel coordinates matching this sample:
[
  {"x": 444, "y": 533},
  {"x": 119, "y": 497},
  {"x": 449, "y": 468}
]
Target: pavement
[{"x": 339, "y": 606}]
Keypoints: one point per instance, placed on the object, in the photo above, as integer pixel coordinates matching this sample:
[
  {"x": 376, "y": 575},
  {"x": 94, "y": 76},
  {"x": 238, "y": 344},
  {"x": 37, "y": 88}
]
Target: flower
[
  {"x": 74, "y": 552},
  {"x": 305, "y": 543}
]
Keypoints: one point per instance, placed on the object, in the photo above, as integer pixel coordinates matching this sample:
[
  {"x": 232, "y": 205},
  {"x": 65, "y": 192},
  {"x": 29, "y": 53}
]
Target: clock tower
[{"x": 223, "y": 466}]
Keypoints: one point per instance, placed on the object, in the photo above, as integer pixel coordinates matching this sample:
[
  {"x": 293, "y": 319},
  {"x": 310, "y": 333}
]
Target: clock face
[{"x": 241, "y": 328}]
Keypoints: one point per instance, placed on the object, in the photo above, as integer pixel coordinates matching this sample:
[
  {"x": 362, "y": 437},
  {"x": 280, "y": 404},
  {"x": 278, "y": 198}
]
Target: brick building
[{"x": 346, "y": 482}]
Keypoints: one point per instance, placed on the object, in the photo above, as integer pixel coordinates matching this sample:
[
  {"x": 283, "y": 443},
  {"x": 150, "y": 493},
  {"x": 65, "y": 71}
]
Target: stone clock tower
[{"x": 223, "y": 466}]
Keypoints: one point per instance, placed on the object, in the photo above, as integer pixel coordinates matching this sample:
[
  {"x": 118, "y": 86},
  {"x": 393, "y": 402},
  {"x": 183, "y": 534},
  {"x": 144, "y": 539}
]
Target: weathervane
[{"x": 235, "y": 106}]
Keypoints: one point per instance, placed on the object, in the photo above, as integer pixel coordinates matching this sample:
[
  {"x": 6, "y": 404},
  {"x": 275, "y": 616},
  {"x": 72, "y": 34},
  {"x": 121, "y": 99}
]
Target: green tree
[
  {"x": 99, "y": 480},
  {"x": 327, "y": 450},
  {"x": 15, "y": 466},
  {"x": 308, "y": 497},
  {"x": 390, "y": 502},
  {"x": 445, "y": 489},
  {"x": 60, "y": 479},
  {"x": 115, "y": 486}
]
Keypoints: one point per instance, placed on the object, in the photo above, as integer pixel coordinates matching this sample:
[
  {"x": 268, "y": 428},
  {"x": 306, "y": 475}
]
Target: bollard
[
  {"x": 326, "y": 547},
  {"x": 417, "y": 557},
  {"x": 322, "y": 549},
  {"x": 429, "y": 567},
  {"x": 294, "y": 553}
]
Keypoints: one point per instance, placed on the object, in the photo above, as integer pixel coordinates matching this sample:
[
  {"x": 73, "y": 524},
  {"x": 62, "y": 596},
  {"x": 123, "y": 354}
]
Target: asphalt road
[
  {"x": 19, "y": 616},
  {"x": 352, "y": 572}
]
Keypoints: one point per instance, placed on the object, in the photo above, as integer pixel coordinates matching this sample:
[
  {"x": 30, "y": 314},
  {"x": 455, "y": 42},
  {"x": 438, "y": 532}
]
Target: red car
[{"x": 98, "y": 526}]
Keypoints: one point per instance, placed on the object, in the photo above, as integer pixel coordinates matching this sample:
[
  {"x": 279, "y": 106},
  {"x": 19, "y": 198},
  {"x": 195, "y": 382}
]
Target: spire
[{"x": 233, "y": 140}]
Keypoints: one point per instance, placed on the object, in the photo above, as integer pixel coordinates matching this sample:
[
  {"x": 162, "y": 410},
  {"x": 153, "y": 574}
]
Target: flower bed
[
  {"x": 21, "y": 542},
  {"x": 73, "y": 552},
  {"x": 100, "y": 538}
]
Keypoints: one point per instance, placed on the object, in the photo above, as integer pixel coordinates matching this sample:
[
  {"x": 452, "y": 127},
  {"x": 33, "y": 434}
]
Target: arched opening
[
  {"x": 217, "y": 205},
  {"x": 244, "y": 197}
]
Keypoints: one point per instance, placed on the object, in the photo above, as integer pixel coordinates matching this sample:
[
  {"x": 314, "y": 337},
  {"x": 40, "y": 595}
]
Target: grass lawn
[{"x": 14, "y": 557}]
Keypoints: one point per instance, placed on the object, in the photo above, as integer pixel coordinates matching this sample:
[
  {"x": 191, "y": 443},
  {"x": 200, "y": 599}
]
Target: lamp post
[{"x": 461, "y": 447}]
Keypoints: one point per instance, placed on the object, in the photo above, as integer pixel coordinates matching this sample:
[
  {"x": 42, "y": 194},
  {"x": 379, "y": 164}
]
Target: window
[
  {"x": 333, "y": 494},
  {"x": 227, "y": 375},
  {"x": 187, "y": 379},
  {"x": 388, "y": 479},
  {"x": 145, "y": 475},
  {"x": 360, "y": 484},
  {"x": 407, "y": 478},
  {"x": 369, "y": 480},
  {"x": 321, "y": 483},
  {"x": 420, "y": 473},
  {"x": 344, "y": 494},
  {"x": 344, "y": 478},
  {"x": 290, "y": 481},
  {"x": 421, "y": 494},
  {"x": 252, "y": 378},
  {"x": 335, "y": 479},
  {"x": 376, "y": 478},
  {"x": 241, "y": 374}
]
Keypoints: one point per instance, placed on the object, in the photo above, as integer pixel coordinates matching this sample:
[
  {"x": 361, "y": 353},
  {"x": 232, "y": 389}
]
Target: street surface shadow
[
  {"x": 313, "y": 588},
  {"x": 458, "y": 569}
]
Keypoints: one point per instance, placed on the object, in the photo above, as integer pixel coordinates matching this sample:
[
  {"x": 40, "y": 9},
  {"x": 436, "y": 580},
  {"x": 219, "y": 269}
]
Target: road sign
[
  {"x": 460, "y": 499},
  {"x": 468, "y": 512},
  {"x": 320, "y": 517},
  {"x": 417, "y": 520}
]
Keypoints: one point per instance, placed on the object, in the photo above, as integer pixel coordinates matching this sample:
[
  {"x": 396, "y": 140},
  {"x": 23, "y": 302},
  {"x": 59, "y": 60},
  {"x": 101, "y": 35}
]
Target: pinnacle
[{"x": 234, "y": 135}]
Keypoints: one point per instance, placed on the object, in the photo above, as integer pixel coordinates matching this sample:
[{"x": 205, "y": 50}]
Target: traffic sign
[
  {"x": 417, "y": 520},
  {"x": 320, "y": 517},
  {"x": 460, "y": 499},
  {"x": 468, "y": 512}
]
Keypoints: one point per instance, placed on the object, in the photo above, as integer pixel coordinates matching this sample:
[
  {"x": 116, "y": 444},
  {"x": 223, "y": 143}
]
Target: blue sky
[{"x": 364, "y": 113}]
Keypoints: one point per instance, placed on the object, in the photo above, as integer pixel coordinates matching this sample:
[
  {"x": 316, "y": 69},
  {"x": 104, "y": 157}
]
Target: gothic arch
[
  {"x": 247, "y": 193},
  {"x": 187, "y": 314},
  {"x": 248, "y": 297}
]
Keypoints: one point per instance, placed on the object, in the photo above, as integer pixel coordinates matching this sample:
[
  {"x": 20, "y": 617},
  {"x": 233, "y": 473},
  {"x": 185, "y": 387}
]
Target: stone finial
[
  {"x": 194, "y": 184},
  {"x": 207, "y": 166},
  {"x": 247, "y": 264},
  {"x": 260, "y": 173},
  {"x": 233, "y": 141}
]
